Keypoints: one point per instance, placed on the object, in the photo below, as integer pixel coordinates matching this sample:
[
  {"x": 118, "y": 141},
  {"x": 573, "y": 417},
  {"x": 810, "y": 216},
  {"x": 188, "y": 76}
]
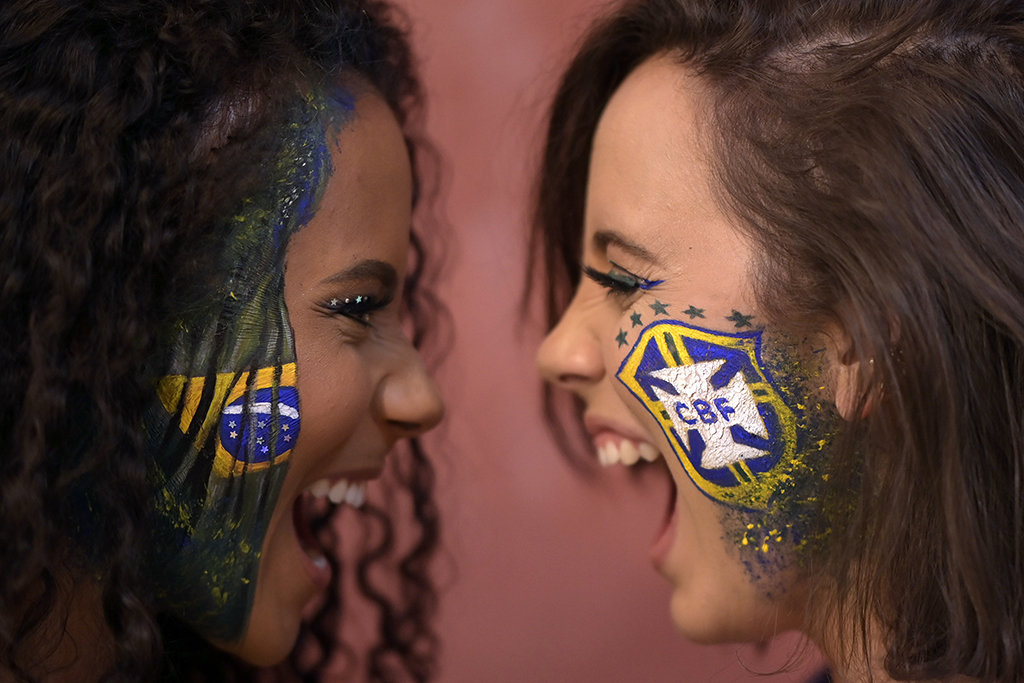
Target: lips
[
  {"x": 616, "y": 443},
  {"x": 312, "y": 511},
  {"x": 666, "y": 534}
]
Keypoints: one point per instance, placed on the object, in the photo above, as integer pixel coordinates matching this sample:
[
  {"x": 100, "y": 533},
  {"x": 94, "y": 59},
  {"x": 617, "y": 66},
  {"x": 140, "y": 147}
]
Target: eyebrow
[
  {"x": 369, "y": 269},
  {"x": 603, "y": 238}
]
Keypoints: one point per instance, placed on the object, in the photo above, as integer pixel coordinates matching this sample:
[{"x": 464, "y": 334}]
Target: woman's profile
[
  {"x": 782, "y": 244},
  {"x": 205, "y": 226}
]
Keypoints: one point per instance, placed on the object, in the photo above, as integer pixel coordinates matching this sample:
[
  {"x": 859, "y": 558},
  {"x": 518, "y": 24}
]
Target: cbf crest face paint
[
  {"x": 737, "y": 432},
  {"x": 227, "y": 413}
]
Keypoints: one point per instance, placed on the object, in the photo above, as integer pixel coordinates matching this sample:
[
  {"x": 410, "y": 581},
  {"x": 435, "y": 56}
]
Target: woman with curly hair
[
  {"x": 783, "y": 243},
  {"x": 205, "y": 215}
]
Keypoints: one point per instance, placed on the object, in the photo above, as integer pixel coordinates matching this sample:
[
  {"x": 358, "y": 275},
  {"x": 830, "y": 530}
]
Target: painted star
[
  {"x": 636, "y": 319},
  {"x": 284, "y": 427},
  {"x": 621, "y": 338},
  {"x": 234, "y": 435},
  {"x": 287, "y": 437},
  {"x": 232, "y": 424},
  {"x": 259, "y": 440},
  {"x": 740, "y": 319},
  {"x": 261, "y": 423},
  {"x": 694, "y": 312},
  {"x": 264, "y": 450},
  {"x": 659, "y": 308}
]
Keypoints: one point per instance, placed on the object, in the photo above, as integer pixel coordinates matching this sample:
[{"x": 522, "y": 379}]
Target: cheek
[
  {"x": 743, "y": 425},
  {"x": 335, "y": 392}
]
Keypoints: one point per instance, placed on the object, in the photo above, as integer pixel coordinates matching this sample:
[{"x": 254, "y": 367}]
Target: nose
[
  {"x": 409, "y": 401},
  {"x": 570, "y": 355}
]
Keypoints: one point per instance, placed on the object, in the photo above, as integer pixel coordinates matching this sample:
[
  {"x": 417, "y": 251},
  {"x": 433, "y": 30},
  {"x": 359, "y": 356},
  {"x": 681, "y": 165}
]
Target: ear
[{"x": 850, "y": 374}]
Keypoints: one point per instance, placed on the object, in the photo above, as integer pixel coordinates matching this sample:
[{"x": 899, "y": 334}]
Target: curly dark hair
[
  {"x": 114, "y": 168},
  {"x": 873, "y": 151}
]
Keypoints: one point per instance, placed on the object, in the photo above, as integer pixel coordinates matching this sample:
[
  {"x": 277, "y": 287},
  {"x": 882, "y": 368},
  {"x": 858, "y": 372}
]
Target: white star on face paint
[
  {"x": 334, "y": 302},
  {"x": 234, "y": 435},
  {"x": 712, "y": 412}
]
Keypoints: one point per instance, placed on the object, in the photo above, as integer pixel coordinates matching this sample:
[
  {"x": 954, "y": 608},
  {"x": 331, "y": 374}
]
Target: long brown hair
[{"x": 874, "y": 150}]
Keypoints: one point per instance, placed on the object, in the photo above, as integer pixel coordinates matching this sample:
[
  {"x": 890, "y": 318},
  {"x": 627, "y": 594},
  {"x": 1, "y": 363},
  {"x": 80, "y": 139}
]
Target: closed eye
[
  {"x": 359, "y": 308},
  {"x": 617, "y": 283},
  {"x": 619, "y": 280}
]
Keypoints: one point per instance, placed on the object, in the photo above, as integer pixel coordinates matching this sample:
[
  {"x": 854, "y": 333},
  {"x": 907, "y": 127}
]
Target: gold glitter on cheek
[{"x": 782, "y": 535}]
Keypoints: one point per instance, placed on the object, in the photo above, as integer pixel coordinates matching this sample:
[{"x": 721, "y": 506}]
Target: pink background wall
[{"x": 548, "y": 578}]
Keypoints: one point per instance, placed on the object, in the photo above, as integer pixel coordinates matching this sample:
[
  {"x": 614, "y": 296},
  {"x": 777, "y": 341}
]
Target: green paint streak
[
  {"x": 209, "y": 529},
  {"x": 672, "y": 349}
]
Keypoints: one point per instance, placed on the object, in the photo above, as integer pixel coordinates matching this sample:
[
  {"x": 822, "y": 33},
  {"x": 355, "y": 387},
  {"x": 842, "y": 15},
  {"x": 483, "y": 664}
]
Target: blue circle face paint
[
  {"x": 258, "y": 430},
  {"x": 228, "y": 411}
]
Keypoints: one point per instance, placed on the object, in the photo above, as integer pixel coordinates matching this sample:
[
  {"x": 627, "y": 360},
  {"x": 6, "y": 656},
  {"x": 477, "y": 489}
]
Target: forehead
[
  {"x": 366, "y": 209},
  {"x": 649, "y": 158},
  {"x": 650, "y": 183}
]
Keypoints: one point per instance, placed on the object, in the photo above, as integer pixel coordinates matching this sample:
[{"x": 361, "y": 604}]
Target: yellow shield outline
[{"x": 753, "y": 489}]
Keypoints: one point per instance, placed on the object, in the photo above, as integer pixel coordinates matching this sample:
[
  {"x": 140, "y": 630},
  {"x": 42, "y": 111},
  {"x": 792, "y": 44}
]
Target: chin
[
  {"x": 732, "y": 619},
  {"x": 263, "y": 647}
]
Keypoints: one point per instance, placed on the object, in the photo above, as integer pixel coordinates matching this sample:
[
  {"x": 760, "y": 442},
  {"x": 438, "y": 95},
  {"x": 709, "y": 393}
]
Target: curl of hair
[
  {"x": 117, "y": 159},
  {"x": 874, "y": 151}
]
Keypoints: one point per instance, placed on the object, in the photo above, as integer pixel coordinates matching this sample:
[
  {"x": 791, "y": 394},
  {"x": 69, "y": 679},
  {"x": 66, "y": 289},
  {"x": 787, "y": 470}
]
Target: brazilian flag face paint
[{"x": 227, "y": 413}]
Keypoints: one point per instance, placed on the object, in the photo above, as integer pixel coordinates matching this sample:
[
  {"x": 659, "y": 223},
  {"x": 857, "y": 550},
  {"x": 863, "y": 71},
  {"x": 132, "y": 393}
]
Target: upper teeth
[
  {"x": 341, "y": 492},
  {"x": 626, "y": 452}
]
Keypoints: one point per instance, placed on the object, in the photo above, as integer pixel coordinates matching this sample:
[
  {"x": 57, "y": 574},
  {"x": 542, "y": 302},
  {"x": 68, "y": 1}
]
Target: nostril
[
  {"x": 570, "y": 378},
  {"x": 407, "y": 426}
]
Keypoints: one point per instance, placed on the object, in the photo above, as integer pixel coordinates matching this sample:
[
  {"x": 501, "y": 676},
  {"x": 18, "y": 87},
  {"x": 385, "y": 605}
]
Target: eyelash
[
  {"x": 622, "y": 282},
  {"x": 358, "y": 308}
]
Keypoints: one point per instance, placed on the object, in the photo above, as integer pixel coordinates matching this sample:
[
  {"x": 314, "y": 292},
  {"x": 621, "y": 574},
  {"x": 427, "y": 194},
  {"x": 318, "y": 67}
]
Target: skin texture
[
  {"x": 650, "y": 210},
  {"x": 361, "y": 383}
]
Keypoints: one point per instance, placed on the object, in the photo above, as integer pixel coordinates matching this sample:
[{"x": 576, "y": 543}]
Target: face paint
[
  {"x": 227, "y": 413},
  {"x": 659, "y": 308},
  {"x": 720, "y": 409}
]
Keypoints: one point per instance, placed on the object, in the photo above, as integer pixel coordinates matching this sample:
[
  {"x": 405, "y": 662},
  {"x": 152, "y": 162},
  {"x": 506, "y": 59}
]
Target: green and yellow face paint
[
  {"x": 750, "y": 432},
  {"x": 227, "y": 412}
]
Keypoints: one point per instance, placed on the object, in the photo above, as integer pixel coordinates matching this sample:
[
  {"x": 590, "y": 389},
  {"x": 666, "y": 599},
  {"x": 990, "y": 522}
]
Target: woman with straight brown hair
[{"x": 783, "y": 244}]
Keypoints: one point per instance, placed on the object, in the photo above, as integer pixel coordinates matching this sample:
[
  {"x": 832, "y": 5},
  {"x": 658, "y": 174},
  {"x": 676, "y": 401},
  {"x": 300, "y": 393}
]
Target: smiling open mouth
[{"x": 311, "y": 514}]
